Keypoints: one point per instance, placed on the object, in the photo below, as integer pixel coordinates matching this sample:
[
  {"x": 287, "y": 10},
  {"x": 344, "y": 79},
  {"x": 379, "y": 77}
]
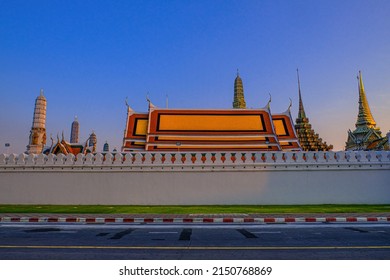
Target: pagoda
[
  {"x": 309, "y": 140},
  {"x": 366, "y": 136},
  {"x": 74, "y": 131},
  {"x": 37, "y": 139},
  {"x": 239, "y": 100}
]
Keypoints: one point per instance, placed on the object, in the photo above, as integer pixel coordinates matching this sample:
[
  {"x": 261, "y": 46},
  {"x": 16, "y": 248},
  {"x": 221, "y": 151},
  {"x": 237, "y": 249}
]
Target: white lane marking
[
  {"x": 262, "y": 232},
  {"x": 162, "y": 232}
]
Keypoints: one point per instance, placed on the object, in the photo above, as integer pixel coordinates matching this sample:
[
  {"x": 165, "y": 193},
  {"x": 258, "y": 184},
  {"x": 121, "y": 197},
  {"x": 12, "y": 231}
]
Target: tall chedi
[
  {"x": 310, "y": 141},
  {"x": 366, "y": 136},
  {"x": 74, "y": 132},
  {"x": 37, "y": 139},
  {"x": 239, "y": 100}
]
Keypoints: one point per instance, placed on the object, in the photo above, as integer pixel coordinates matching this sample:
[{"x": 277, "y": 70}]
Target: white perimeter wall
[{"x": 142, "y": 179}]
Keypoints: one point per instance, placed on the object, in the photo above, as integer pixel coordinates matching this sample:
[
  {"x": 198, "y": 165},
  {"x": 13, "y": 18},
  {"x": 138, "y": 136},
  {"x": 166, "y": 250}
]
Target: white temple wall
[{"x": 203, "y": 178}]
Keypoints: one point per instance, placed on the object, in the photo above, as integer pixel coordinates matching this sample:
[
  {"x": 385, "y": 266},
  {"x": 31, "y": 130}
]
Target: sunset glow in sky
[{"x": 88, "y": 56}]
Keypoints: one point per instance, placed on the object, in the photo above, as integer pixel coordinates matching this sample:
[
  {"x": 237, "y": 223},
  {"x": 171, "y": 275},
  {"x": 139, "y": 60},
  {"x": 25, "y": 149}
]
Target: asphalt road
[{"x": 189, "y": 241}]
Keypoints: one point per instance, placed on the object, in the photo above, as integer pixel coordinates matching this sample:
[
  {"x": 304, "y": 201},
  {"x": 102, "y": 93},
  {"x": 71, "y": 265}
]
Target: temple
[
  {"x": 163, "y": 129},
  {"x": 73, "y": 146},
  {"x": 64, "y": 147},
  {"x": 309, "y": 140},
  {"x": 234, "y": 129},
  {"x": 366, "y": 136}
]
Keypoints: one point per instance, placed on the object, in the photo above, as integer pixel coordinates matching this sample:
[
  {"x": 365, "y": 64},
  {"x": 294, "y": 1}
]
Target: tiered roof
[{"x": 309, "y": 140}]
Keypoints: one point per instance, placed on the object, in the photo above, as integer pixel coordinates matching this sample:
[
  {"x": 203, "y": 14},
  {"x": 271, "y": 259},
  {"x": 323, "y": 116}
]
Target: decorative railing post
[
  {"x": 193, "y": 157},
  {"x": 253, "y": 157},
  {"x": 203, "y": 158},
  {"x": 183, "y": 158},
  {"x": 163, "y": 158},
  {"x": 243, "y": 157},
  {"x": 213, "y": 158},
  {"x": 233, "y": 157},
  {"x": 173, "y": 158}
]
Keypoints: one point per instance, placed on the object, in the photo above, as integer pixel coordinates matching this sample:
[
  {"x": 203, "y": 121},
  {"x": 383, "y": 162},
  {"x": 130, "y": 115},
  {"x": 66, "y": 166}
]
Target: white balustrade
[{"x": 198, "y": 158}]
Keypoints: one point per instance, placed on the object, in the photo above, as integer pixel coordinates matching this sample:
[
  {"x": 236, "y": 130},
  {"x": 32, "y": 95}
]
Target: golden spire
[
  {"x": 364, "y": 116},
  {"x": 239, "y": 100}
]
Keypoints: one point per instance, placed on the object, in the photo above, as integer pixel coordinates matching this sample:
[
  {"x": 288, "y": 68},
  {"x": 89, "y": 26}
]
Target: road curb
[{"x": 99, "y": 220}]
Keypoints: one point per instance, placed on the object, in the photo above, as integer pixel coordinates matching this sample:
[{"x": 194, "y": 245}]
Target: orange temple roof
[{"x": 209, "y": 129}]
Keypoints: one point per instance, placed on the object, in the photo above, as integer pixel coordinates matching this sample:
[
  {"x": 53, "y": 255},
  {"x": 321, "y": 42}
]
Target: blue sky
[{"x": 88, "y": 56}]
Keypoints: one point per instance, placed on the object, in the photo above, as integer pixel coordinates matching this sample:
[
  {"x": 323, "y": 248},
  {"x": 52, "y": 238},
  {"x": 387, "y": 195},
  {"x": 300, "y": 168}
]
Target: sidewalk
[{"x": 195, "y": 218}]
